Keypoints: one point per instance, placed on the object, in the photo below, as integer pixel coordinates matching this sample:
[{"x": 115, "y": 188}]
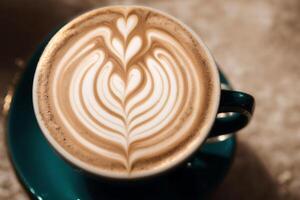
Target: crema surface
[{"x": 125, "y": 91}]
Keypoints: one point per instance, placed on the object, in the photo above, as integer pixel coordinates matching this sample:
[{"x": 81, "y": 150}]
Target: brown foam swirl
[{"x": 123, "y": 90}]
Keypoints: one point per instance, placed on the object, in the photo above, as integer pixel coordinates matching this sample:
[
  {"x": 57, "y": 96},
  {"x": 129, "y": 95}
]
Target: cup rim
[{"x": 104, "y": 173}]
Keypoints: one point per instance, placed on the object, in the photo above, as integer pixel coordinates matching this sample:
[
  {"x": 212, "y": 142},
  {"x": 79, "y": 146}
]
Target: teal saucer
[{"x": 45, "y": 175}]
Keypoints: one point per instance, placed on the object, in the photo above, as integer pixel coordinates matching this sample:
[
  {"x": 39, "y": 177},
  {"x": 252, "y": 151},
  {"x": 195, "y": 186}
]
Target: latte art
[{"x": 123, "y": 93}]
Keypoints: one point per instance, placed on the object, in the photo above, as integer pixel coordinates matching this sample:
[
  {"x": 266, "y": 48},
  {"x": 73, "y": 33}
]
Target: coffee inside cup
[{"x": 125, "y": 92}]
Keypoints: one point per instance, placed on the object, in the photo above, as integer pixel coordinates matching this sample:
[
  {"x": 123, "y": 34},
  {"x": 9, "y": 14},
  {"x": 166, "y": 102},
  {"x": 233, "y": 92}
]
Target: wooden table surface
[{"x": 256, "y": 42}]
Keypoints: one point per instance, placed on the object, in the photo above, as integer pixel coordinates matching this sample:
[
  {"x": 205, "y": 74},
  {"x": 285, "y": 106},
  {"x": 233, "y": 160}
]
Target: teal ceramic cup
[{"x": 230, "y": 111}]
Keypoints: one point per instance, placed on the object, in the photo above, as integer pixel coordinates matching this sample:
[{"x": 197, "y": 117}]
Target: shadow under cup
[{"x": 36, "y": 161}]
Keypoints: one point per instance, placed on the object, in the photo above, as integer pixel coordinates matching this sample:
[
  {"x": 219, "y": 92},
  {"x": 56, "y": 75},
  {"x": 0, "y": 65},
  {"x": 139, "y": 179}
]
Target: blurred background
[{"x": 256, "y": 43}]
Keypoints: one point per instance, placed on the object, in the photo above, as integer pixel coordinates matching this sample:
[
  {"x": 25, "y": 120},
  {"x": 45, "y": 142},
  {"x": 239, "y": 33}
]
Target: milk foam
[{"x": 134, "y": 88}]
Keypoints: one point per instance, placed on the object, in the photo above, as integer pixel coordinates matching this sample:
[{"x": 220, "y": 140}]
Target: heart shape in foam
[
  {"x": 125, "y": 54},
  {"x": 122, "y": 90},
  {"x": 125, "y": 27}
]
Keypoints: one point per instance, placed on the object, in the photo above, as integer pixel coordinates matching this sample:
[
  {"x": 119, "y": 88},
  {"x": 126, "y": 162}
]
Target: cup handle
[{"x": 234, "y": 113}]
